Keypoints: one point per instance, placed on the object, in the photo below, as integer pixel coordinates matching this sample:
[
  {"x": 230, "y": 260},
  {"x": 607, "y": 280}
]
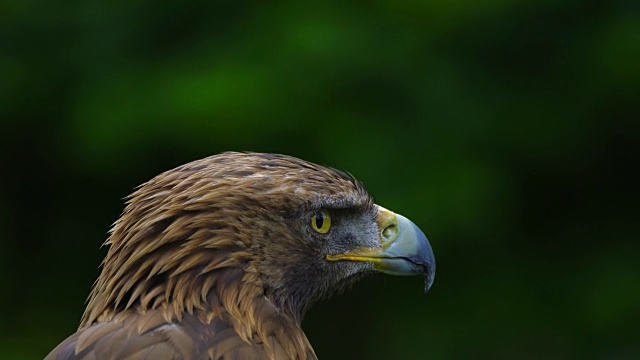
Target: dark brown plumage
[{"x": 221, "y": 257}]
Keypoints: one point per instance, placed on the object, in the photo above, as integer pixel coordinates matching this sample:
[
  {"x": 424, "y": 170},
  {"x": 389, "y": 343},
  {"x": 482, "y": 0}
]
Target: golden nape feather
[{"x": 221, "y": 257}]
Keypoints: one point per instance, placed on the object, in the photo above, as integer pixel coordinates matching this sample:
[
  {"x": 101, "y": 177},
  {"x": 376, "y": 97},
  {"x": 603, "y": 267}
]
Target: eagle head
[{"x": 245, "y": 241}]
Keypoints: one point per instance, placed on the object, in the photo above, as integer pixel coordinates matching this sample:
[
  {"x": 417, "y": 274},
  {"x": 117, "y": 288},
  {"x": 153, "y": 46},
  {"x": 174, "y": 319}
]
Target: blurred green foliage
[{"x": 507, "y": 130}]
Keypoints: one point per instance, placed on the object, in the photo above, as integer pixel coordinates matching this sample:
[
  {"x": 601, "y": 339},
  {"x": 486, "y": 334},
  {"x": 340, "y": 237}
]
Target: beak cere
[{"x": 404, "y": 249}]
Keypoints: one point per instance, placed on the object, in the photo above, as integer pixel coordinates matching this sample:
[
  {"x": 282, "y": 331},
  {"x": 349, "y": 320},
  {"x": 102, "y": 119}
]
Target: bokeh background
[{"x": 507, "y": 130}]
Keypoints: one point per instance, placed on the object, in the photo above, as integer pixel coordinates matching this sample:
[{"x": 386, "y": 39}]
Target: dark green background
[{"x": 505, "y": 129}]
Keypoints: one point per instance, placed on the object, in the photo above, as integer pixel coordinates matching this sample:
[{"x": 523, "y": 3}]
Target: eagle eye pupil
[{"x": 321, "y": 221}]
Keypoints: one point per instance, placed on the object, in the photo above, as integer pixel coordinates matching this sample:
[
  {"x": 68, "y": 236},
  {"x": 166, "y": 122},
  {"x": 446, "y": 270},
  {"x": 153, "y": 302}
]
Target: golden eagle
[{"x": 221, "y": 257}]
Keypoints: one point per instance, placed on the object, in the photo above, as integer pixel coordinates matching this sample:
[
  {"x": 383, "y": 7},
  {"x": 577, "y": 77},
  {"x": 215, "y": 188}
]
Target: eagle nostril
[{"x": 390, "y": 233}]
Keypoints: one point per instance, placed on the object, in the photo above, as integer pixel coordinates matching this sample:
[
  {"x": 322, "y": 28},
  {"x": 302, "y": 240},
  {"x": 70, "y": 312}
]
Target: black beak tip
[
  {"x": 429, "y": 277},
  {"x": 425, "y": 258}
]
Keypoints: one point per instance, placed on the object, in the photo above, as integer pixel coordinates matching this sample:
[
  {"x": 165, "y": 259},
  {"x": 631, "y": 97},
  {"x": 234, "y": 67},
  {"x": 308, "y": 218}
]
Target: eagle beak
[{"x": 404, "y": 249}]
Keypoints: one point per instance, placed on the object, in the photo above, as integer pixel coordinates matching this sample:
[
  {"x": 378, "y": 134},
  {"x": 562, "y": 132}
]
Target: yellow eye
[{"x": 321, "y": 221}]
